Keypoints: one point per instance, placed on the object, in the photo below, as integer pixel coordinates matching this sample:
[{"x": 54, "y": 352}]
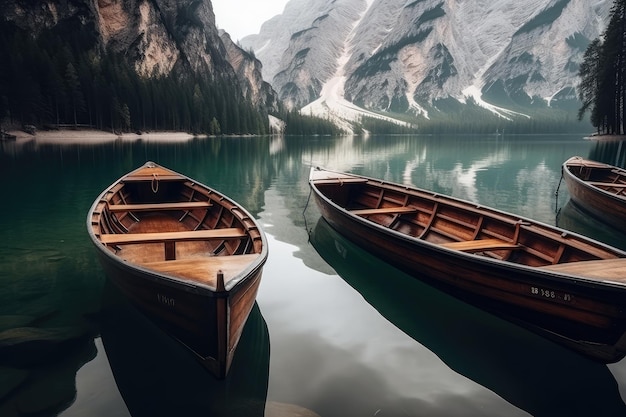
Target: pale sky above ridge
[{"x": 244, "y": 17}]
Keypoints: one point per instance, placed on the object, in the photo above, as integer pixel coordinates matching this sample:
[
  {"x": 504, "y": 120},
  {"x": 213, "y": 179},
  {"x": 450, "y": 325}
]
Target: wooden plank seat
[
  {"x": 384, "y": 210},
  {"x": 204, "y": 269},
  {"x": 603, "y": 269},
  {"x": 334, "y": 181},
  {"x": 608, "y": 184},
  {"x": 169, "y": 239},
  {"x": 158, "y": 237},
  {"x": 183, "y": 205},
  {"x": 150, "y": 177},
  {"x": 481, "y": 245}
]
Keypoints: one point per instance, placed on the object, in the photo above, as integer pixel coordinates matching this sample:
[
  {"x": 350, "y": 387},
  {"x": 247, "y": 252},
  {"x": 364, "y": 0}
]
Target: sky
[{"x": 244, "y": 17}]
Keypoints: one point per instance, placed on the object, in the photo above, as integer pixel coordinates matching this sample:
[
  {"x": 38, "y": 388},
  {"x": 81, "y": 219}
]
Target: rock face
[
  {"x": 248, "y": 71},
  {"x": 407, "y": 56},
  {"x": 159, "y": 37}
]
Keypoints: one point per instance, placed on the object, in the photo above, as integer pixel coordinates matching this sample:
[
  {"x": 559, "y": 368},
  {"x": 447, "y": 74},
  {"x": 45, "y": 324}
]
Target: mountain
[
  {"x": 170, "y": 45},
  {"x": 248, "y": 70},
  {"x": 346, "y": 59}
]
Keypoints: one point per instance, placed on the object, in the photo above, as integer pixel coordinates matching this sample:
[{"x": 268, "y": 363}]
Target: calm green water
[{"x": 336, "y": 332}]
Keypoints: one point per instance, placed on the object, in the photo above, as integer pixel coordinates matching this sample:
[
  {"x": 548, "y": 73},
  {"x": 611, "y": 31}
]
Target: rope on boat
[
  {"x": 556, "y": 194},
  {"x": 306, "y": 227},
  {"x": 155, "y": 183}
]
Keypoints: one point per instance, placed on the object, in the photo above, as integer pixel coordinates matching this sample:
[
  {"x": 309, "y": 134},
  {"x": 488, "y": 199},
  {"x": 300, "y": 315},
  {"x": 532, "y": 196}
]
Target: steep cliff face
[
  {"x": 158, "y": 37},
  {"x": 409, "y": 56},
  {"x": 249, "y": 73}
]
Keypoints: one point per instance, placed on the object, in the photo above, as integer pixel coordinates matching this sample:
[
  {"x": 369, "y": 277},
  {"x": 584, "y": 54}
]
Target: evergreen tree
[
  {"x": 74, "y": 91},
  {"x": 589, "y": 73},
  {"x": 80, "y": 84},
  {"x": 603, "y": 83}
]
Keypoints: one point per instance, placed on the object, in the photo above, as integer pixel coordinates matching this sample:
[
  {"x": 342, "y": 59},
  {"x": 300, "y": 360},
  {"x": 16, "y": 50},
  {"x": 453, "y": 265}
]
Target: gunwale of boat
[
  {"x": 581, "y": 170},
  {"x": 570, "y": 255},
  {"x": 202, "y": 232}
]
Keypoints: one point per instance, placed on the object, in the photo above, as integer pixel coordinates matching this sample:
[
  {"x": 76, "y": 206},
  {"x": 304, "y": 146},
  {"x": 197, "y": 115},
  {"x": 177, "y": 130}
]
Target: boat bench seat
[
  {"x": 608, "y": 184},
  {"x": 204, "y": 269},
  {"x": 601, "y": 269},
  {"x": 170, "y": 238},
  {"x": 159, "y": 237},
  {"x": 184, "y": 205},
  {"x": 384, "y": 210},
  {"x": 339, "y": 181},
  {"x": 480, "y": 245}
]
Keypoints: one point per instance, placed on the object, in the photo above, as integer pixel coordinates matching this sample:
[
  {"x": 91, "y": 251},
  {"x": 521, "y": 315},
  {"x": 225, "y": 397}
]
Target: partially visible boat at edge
[
  {"x": 597, "y": 188},
  {"x": 184, "y": 254},
  {"x": 540, "y": 276}
]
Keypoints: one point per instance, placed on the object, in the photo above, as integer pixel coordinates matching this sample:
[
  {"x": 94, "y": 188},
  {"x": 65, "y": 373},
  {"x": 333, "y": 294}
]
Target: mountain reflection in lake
[{"x": 330, "y": 338}]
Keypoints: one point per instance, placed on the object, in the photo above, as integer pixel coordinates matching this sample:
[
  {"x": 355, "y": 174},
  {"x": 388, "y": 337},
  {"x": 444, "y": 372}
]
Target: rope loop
[{"x": 155, "y": 183}]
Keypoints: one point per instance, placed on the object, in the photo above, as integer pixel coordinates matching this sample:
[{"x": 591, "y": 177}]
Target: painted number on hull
[
  {"x": 163, "y": 299},
  {"x": 550, "y": 294}
]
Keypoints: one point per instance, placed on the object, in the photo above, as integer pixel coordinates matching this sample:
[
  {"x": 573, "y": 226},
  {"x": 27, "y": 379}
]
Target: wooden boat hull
[
  {"x": 135, "y": 349},
  {"x": 190, "y": 314},
  {"x": 198, "y": 289},
  {"x": 586, "y": 311},
  {"x": 598, "y": 189}
]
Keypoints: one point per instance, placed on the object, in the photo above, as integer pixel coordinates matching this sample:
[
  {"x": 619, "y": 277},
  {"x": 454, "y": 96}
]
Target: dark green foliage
[
  {"x": 380, "y": 126},
  {"x": 62, "y": 78},
  {"x": 450, "y": 116},
  {"x": 602, "y": 88},
  {"x": 298, "y": 124}
]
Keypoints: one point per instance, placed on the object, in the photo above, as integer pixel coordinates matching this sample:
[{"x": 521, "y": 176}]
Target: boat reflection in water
[
  {"x": 572, "y": 218},
  {"x": 527, "y": 370},
  {"x": 157, "y": 376}
]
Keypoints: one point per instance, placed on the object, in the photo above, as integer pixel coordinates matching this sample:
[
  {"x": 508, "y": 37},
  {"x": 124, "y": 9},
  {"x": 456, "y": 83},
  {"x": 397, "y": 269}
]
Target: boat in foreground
[
  {"x": 534, "y": 274},
  {"x": 597, "y": 188},
  {"x": 187, "y": 256}
]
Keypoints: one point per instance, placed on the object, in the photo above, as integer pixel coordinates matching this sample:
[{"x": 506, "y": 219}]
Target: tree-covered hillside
[
  {"x": 603, "y": 76},
  {"x": 61, "y": 78}
]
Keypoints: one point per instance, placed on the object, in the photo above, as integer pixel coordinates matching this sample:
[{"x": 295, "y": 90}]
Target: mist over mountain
[{"x": 345, "y": 59}]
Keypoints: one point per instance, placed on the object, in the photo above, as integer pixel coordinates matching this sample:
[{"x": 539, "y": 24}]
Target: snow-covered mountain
[{"x": 344, "y": 58}]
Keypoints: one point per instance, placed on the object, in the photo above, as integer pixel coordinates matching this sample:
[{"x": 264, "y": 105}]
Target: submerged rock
[{"x": 31, "y": 345}]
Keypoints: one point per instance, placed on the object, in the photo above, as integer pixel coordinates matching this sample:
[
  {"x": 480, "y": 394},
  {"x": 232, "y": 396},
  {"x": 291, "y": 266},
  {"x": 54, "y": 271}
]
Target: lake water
[{"x": 335, "y": 332}]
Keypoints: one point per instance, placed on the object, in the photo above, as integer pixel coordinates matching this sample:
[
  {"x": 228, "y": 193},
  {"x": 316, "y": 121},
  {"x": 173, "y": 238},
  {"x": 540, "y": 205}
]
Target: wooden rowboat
[
  {"x": 525, "y": 271},
  {"x": 597, "y": 188},
  {"x": 187, "y": 256}
]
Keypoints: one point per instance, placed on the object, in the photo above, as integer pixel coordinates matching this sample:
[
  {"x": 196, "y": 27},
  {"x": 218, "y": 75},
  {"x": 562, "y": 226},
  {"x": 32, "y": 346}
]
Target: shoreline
[{"x": 70, "y": 136}]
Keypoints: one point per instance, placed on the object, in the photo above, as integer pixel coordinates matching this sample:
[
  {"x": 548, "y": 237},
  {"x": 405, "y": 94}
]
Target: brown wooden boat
[
  {"x": 187, "y": 256},
  {"x": 597, "y": 188},
  {"x": 526, "y": 271}
]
